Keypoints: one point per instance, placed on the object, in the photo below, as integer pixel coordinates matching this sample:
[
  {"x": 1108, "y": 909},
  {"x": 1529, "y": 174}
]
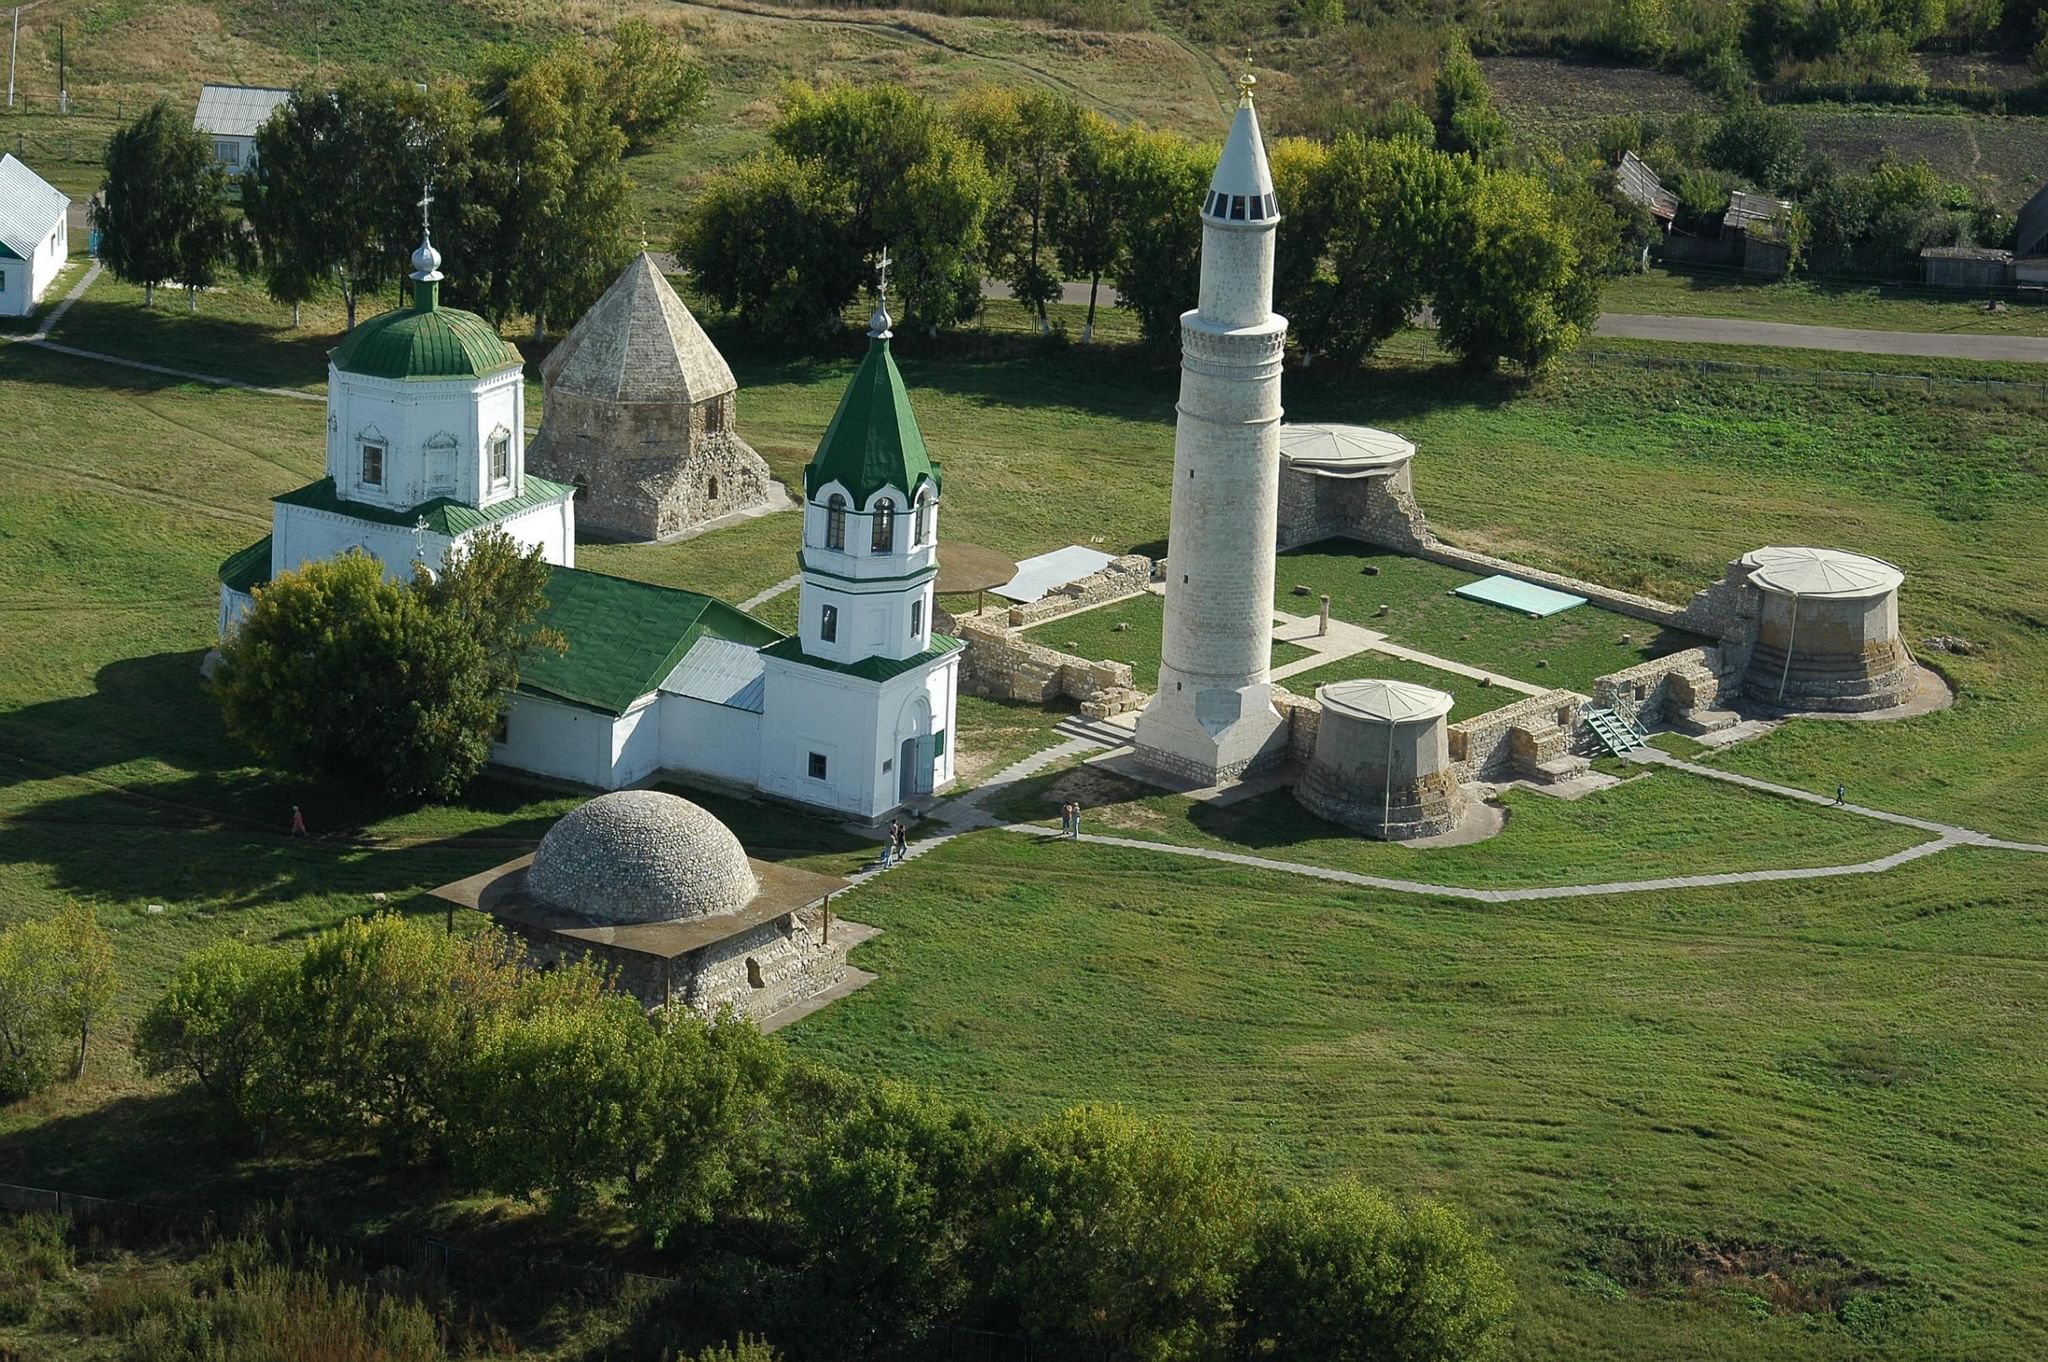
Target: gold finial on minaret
[{"x": 1246, "y": 81}]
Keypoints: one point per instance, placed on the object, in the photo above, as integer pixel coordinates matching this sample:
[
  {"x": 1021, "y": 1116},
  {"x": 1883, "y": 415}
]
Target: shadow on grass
[{"x": 238, "y": 348}]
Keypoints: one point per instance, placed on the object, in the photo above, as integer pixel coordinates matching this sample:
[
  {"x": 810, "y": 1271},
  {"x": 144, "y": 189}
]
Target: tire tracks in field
[
  {"x": 99, "y": 482},
  {"x": 904, "y": 30}
]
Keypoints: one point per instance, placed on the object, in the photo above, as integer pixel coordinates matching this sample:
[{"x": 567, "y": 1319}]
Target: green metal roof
[
  {"x": 868, "y": 668},
  {"x": 625, "y": 637},
  {"x": 247, "y": 569},
  {"x": 443, "y": 515},
  {"x": 425, "y": 341},
  {"x": 873, "y": 441}
]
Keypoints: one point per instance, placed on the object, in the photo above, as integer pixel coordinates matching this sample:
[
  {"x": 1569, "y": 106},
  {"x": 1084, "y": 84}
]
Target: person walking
[
  {"x": 902, "y": 840},
  {"x": 1066, "y": 818},
  {"x": 1841, "y": 795},
  {"x": 1074, "y": 821},
  {"x": 298, "y": 822},
  {"x": 888, "y": 844}
]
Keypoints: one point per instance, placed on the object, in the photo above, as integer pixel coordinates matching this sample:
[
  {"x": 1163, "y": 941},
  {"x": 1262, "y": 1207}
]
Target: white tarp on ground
[{"x": 1049, "y": 571}]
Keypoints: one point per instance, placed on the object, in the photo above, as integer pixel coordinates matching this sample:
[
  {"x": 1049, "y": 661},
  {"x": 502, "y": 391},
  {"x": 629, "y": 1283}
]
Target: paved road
[{"x": 1735, "y": 331}]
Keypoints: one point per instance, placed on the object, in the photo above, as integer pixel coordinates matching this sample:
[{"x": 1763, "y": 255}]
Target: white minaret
[{"x": 1213, "y": 718}]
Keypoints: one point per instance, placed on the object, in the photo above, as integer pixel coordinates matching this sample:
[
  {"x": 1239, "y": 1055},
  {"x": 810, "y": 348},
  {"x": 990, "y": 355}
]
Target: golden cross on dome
[{"x": 1246, "y": 81}]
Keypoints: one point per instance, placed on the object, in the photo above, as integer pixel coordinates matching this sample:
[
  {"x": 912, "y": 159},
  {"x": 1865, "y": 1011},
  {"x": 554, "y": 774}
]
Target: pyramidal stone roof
[
  {"x": 638, "y": 343},
  {"x": 873, "y": 441}
]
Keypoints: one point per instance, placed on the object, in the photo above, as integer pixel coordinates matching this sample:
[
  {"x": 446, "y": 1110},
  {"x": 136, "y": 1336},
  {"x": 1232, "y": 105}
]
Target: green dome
[{"x": 425, "y": 341}]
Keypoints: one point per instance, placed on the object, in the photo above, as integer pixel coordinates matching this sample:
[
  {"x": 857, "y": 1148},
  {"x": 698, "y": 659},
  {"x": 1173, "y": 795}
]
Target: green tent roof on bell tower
[{"x": 873, "y": 441}]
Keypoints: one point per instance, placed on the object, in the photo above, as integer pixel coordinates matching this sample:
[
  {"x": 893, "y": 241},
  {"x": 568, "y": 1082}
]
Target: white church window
[
  {"x": 917, "y": 619},
  {"x": 921, "y": 531},
  {"x": 817, "y": 767},
  {"x": 373, "y": 465},
  {"x": 828, "y": 624},
  {"x": 3, "y": 281},
  {"x": 501, "y": 459},
  {"x": 835, "y": 522},
  {"x": 884, "y": 537}
]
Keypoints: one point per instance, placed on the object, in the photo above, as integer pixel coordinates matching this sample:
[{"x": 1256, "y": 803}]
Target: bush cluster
[
  {"x": 846, "y": 1217},
  {"x": 56, "y": 978}
]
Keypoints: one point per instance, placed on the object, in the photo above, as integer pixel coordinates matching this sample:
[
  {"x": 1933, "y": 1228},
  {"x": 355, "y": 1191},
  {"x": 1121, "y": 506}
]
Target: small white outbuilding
[{"x": 35, "y": 238}]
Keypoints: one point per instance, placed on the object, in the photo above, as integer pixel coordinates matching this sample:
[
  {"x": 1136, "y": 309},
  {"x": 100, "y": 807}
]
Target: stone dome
[{"x": 641, "y": 856}]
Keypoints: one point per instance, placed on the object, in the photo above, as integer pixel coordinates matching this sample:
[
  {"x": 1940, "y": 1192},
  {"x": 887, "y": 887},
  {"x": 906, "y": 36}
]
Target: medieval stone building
[{"x": 638, "y": 417}]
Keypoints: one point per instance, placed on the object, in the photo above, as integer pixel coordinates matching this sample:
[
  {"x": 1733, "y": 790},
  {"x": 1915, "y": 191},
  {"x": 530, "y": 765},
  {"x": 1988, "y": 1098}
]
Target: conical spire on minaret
[{"x": 1242, "y": 188}]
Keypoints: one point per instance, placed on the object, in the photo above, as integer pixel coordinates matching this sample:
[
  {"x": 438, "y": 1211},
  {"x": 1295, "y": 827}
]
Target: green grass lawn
[
  {"x": 1850, "y": 1070},
  {"x": 1469, "y": 699},
  {"x": 1568, "y": 650},
  {"x": 1569, "y": 1072},
  {"x": 1095, "y": 634},
  {"x": 1652, "y": 825},
  {"x": 1820, "y": 302}
]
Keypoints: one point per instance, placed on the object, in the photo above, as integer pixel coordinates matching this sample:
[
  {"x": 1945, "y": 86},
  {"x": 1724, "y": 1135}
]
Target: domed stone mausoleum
[
  {"x": 662, "y": 897},
  {"x": 1383, "y": 762},
  {"x": 1827, "y": 630}
]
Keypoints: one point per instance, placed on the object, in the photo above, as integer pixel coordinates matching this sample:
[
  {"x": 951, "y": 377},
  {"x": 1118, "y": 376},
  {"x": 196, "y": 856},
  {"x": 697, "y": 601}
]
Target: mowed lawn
[
  {"x": 1839, "y": 1084},
  {"x": 1131, "y": 631},
  {"x": 1847, "y": 1067}
]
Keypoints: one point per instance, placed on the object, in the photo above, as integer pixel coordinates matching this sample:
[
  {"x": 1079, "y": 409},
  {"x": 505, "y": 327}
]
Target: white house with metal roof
[
  {"x": 230, "y": 116},
  {"x": 35, "y": 239}
]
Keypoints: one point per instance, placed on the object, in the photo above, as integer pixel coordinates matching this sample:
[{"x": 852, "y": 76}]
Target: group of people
[
  {"x": 895, "y": 843},
  {"x": 1070, "y": 820}
]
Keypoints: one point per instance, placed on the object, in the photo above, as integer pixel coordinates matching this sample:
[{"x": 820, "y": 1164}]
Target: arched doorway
[{"x": 915, "y": 751}]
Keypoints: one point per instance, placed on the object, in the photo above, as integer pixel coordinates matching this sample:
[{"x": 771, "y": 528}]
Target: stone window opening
[
  {"x": 883, "y": 540},
  {"x": 373, "y": 465},
  {"x": 711, "y": 487},
  {"x": 582, "y": 488},
  {"x": 835, "y": 522},
  {"x": 922, "y": 528},
  {"x": 828, "y": 623},
  {"x": 754, "y": 979},
  {"x": 916, "y": 619},
  {"x": 1237, "y": 208}
]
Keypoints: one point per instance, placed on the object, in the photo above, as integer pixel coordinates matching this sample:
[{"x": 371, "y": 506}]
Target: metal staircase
[{"x": 1617, "y": 733}]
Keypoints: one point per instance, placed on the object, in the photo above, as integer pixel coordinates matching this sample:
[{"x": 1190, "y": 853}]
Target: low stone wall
[
  {"x": 1663, "y": 688},
  {"x": 1511, "y": 740},
  {"x": 1001, "y": 664},
  {"x": 1304, "y": 718},
  {"x": 1125, "y": 576}
]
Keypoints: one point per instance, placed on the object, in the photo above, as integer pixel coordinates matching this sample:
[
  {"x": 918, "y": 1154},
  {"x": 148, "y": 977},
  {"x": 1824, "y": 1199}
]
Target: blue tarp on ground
[{"x": 1515, "y": 594}]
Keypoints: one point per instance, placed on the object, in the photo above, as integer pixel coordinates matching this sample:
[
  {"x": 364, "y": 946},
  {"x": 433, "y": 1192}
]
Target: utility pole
[
  {"x": 63, "y": 85},
  {"x": 13, "y": 43}
]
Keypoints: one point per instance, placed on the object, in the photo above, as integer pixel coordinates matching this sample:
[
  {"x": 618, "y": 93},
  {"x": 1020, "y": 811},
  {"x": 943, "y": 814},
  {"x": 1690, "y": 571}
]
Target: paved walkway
[
  {"x": 1737, "y": 331},
  {"x": 761, "y": 598}
]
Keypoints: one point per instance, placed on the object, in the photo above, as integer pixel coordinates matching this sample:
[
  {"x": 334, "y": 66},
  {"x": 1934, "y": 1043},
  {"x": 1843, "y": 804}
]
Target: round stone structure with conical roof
[
  {"x": 641, "y": 856},
  {"x": 639, "y": 416},
  {"x": 1827, "y": 630},
  {"x": 1382, "y": 763}
]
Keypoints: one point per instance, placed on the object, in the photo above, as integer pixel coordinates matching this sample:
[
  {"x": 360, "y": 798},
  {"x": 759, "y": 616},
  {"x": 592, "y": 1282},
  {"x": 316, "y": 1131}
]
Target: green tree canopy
[
  {"x": 1342, "y": 1275},
  {"x": 1514, "y": 286},
  {"x": 1160, "y": 179},
  {"x": 218, "y": 1024},
  {"x": 1027, "y": 138},
  {"x": 764, "y": 241},
  {"x": 56, "y": 978},
  {"x": 1084, "y": 214},
  {"x": 651, "y": 83},
  {"x": 1466, "y": 122},
  {"x": 159, "y": 214}
]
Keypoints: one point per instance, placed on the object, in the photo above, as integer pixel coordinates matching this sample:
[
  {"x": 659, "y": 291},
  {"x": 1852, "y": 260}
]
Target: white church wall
[
  {"x": 812, "y": 710},
  {"x": 547, "y": 738},
  {"x": 699, "y": 737},
  {"x": 23, "y": 282},
  {"x": 551, "y": 527},
  {"x": 14, "y": 287},
  {"x": 50, "y": 258},
  {"x": 301, "y": 534},
  {"x": 233, "y": 605},
  {"x": 636, "y": 744},
  {"x": 435, "y": 435}
]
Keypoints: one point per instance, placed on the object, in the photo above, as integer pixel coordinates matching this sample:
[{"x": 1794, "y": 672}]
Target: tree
[
  {"x": 218, "y": 1025},
  {"x": 496, "y": 591},
  {"x": 1026, "y": 139},
  {"x": 1342, "y": 1275},
  {"x": 1514, "y": 286},
  {"x": 651, "y": 83},
  {"x": 1082, "y": 218},
  {"x": 343, "y": 675},
  {"x": 1389, "y": 210},
  {"x": 765, "y": 241},
  {"x": 887, "y": 1202},
  {"x": 56, "y": 978},
  {"x": 1466, "y": 122},
  {"x": 714, "y": 1088},
  {"x": 1159, "y": 180},
  {"x": 1300, "y": 169},
  {"x": 1761, "y": 144},
  {"x": 160, "y": 216},
  {"x": 325, "y": 169},
  {"x": 1117, "y": 1236}
]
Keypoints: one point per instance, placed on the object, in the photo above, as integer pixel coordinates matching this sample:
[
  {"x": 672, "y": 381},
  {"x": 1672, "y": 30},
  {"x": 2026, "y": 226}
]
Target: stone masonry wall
[
  {"x": 1511, "y": 740},
  {"x": 1125, "y": 576},
  {"x": 1664, "y": 688},
  {"x": 999, "y": 663},
  {"x": 649, "y": 470},
  {"x": 1379, "y": 511}
]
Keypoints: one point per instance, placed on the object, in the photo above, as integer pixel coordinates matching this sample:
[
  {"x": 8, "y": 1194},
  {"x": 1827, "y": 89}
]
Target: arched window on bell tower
[
  {"x": 884, "y": 517},
  {"x": 835, "y": 523}
]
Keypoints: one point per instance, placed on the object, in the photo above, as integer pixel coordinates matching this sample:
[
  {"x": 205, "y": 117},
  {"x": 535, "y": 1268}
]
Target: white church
[{"x": 426, "y": 447}]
